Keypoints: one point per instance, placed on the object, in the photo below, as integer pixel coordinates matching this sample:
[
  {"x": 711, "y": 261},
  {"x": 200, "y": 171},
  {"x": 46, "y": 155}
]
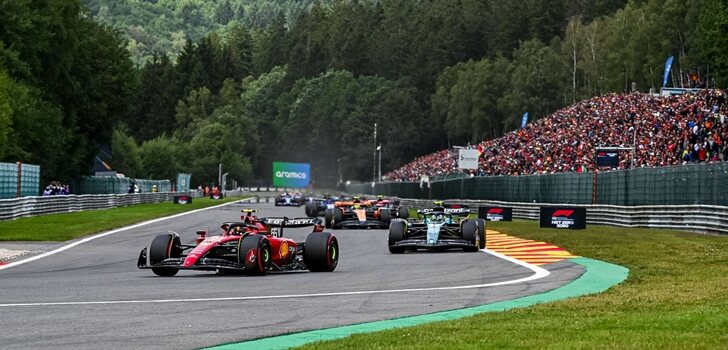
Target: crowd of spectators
[
  {"x": 670, "y": 130},
  {"x": 56, "y": 189}
]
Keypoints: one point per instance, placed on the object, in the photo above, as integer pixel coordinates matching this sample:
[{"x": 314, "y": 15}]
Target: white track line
[
  {"x": 91, "y": 238},
  {"x": 539, "y": 273}
]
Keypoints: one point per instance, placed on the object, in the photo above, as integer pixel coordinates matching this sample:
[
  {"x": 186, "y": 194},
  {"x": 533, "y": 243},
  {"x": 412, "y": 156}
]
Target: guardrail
[
  {"x": 696, "y": 217},
  {"x": 31, "y": 206}
]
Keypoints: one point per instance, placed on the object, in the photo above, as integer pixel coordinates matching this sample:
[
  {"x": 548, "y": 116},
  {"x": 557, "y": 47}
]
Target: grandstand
[{"x": 663, "y": 130}]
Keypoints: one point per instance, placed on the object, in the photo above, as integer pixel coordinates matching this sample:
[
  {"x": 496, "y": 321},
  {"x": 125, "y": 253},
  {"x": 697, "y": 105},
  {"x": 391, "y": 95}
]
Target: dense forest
[
  {"x": 164, "y": 26},
  {"x": 307, "y": 82}
]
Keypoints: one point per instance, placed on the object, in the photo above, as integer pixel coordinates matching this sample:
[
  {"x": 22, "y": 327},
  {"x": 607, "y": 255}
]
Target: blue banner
[
  {"x": 524, "y": 120},
  {"x": 668, "y": 66},
  {"x": 291, "y": 175}
]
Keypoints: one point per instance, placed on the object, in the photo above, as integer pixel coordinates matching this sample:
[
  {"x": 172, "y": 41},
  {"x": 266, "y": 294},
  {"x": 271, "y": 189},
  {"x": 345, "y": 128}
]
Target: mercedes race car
[
  {"x": 290, "y": 200},
  {"x": 253, "y": 246},
  {"x": 357, "y": 214},
  {"x": 439, "y": 228}
]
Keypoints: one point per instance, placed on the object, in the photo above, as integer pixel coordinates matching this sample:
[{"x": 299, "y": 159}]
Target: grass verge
[
  {"x": 62, "y": 227},
  {"x": 676, "y": 297}
]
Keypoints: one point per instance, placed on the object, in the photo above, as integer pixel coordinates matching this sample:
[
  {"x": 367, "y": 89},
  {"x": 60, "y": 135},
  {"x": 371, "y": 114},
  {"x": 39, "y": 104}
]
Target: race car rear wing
[
  {"x": 288, "y": 222},
  {"x": 276, "y": 225}
]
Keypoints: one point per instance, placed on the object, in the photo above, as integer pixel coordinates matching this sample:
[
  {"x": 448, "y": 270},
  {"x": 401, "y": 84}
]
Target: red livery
[{"x": 253, "y": 245}]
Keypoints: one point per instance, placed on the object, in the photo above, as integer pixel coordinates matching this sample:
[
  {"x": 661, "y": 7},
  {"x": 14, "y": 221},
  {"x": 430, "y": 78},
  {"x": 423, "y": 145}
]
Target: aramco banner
[{"x": 292, "y": 175}]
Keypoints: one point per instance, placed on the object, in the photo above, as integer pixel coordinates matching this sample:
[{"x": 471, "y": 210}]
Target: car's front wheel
[
  {"x": 397, "y": 232},
  {"x": 164, "y": 246},
  {"x": 255, "y": 253},
  {"x": 321, "y": 252}
]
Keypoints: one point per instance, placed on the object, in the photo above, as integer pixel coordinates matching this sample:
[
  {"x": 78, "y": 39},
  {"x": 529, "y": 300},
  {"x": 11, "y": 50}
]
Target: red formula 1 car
[{"x": 253, "y": 246}]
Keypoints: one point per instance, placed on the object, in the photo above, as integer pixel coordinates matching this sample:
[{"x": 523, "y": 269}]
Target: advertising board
[{"x": 291, "y": 175}]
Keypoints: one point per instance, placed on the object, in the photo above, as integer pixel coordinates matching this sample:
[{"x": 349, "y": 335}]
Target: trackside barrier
[
  {"x": 31, "y": 206},
  {"x": 695, "y": 217}
]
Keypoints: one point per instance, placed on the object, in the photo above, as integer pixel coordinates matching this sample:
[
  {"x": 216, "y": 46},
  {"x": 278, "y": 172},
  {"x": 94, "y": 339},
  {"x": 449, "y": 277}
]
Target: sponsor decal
[
  {"x": 250, "y": 256},
  {"x": 283, "y": 251}
]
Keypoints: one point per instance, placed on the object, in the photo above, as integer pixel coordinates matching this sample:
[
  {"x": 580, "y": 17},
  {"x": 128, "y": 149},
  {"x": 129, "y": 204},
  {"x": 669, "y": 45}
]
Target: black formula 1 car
[
  {"x": 439, "y": 228},
  {"x": 290, "y": 200},
  {"x": 316, "y": 206}
]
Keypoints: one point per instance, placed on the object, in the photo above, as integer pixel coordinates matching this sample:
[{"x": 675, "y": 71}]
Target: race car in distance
[
  {"x": 357, "y": 214},
  {"x": 393, "y": 205},
  {"x": 253, "y": 246},
  {"x": 290, "y": 200},
  {"x": 437, "y": 229},
  {"x": 316, "y": 206}
]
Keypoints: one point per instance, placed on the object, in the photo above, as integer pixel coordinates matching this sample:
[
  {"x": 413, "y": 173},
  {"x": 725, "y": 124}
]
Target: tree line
[{"x": 430, "y": 73}]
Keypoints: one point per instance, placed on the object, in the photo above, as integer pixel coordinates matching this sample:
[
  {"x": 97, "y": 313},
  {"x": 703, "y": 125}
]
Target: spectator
[{"x": 665, "y": 131}]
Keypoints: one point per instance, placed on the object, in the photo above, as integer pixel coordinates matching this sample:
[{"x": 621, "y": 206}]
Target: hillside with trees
[{"x": 309, "y": 87}]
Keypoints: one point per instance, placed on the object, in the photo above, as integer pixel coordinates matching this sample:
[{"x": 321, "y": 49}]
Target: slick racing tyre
[
  {"x": 311, "y": 209},
  {"x": 255, "y": 253},
  {"x": 481, "y": 233},
  {"x": 321, "y": 252},
  {"x": 470, "y": 231},
  {"x": 338, "y": 218},
  {"x": 328, "y": 217},
  {"x": 397, "y": 232},
  {"x": 385, "y": 216},
  {"x": 403, "y": 212},
  {"x": 164, "y": 246}
]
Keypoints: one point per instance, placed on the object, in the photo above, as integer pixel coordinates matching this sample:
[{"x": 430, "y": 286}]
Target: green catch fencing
[
  {"x": 29, "y": 180},
  {"x": 677, "y": 185},
  {"x": 183, "y": 182},
  {"x": 117, "y": 185}
]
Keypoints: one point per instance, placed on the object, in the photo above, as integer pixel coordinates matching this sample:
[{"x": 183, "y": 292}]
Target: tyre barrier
[
  {"x": 694, "y": 217},
  {"x": 38, "y": 205}
]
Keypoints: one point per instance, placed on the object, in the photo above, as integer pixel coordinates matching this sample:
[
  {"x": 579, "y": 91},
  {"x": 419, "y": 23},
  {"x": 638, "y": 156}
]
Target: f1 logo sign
[
  {"x": 563, "y": 212},
  {"x": 495, "y": 210}
]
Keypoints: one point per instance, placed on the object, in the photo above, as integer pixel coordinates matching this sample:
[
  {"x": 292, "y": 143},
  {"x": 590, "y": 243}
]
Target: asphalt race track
[{"x": 108, "y": 303}]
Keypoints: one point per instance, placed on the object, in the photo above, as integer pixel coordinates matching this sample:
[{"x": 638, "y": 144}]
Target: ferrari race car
[
  {"x": 290, "y": 200},
  {"x": 357, "y": 214},
  {"x": 439, "y": 228},
  {"x": 252, "y": 246}
]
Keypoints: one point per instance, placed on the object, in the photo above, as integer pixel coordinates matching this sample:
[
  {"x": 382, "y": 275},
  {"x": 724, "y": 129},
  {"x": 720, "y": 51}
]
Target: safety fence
[
  {"x": 118, "y": 185},
  {"x": 32, "y": 206},
  {"x": 677, "y": 185},
  {"x": 696, "y": 218},
  {"x": 12, "y": 185}
]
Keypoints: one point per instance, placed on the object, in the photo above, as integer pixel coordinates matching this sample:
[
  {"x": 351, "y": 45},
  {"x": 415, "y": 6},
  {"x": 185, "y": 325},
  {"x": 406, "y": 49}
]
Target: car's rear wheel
[
  {"x": 328, "y": 217},
  {"x": 385, "y": 216},
  {"x": 481, "y": 233},
  {"x": 397, "y": 232},
  {"x": 164, "y": 246},
  {"x": 255, "y": 253},
  {"x": 338, "y": 218},
  {"x": 403, "y": 212},
  {"x": 310, "y": 209},
  {"x": 470, "y": 231},
  {"x": 321, "y": 252}
]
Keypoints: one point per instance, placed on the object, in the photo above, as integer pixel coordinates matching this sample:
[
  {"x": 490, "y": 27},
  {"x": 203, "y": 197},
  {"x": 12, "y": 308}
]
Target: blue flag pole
[
  {"x": 524, "y": 120},
  {"x": 668, "y": 66}
]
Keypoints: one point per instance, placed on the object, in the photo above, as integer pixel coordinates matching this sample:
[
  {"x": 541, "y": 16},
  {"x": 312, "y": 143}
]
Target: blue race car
[{"x": 290, "y": 200}]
